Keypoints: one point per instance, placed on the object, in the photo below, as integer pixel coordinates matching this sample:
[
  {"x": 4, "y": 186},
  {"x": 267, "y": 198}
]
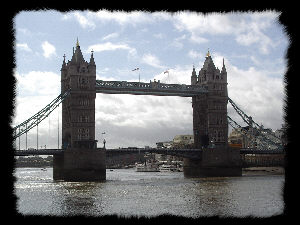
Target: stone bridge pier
[
  {"x": 80, "y": 165},
  {"x": 214, "y": 162}
]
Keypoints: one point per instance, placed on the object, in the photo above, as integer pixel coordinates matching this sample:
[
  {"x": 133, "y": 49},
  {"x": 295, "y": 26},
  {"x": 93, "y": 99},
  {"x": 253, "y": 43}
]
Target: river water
[{"x": 130, "y": 193}]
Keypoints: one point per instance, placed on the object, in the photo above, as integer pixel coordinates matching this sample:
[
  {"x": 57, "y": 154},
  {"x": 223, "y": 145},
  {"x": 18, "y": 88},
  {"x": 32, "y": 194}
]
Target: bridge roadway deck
[
  {"x": 152, "y": 88},
  {"x": 179, "y": 152}
]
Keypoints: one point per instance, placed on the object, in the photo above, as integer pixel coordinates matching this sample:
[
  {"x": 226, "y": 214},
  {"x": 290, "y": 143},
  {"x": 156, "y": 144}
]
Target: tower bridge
[{"x": 81, "y": 160}]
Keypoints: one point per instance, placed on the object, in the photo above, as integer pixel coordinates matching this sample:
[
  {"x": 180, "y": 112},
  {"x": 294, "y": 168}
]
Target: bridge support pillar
[
  {"x": 86, "y": 165},
  {"x": 217, "y": 162},
  {"x": 58, "y": 167}
]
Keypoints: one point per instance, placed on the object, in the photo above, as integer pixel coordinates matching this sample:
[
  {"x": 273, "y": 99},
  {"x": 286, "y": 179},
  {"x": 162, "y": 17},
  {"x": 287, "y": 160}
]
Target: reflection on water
[{"x": 128, "y": 193}]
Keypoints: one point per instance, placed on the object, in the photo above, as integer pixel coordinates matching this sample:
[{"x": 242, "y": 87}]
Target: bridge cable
[
  {"x": 259, "y": 129},
  {"x": 33, "y": 121}
]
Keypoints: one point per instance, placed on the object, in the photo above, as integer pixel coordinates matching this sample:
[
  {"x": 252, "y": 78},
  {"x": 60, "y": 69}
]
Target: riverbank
[{"x": 263, "y": 171}]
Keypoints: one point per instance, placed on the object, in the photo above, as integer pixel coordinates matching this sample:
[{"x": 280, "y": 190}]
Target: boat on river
[
  {"x": 146, "y": 167},
  {"x": 167, "y": 168},
  {"x": 170, "y": 168}
]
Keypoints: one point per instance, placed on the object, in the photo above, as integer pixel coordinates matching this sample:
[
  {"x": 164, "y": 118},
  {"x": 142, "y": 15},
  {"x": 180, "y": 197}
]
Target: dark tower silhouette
[
  {"x": 210, "y": 110},
  {"x": 78, "y": 110}
]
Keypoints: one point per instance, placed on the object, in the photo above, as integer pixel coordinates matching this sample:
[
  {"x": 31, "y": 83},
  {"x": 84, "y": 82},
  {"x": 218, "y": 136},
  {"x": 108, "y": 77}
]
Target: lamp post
[
  {"x": 104, "y": 144},
  {"x": 104, "y": 141}
]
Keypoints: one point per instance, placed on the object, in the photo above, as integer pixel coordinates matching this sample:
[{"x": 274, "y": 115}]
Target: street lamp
[
  {"x": 104, "y": 144},
  {"x": 104, "y": 141}
]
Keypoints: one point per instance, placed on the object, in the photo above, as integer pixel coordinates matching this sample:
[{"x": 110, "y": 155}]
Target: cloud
[
  {"x": 38, "y": 83},
  {"x": 152, "y": 60},
  {"x": 108, "y": 46},
  {"x": 258, "y": 95},
  {"x": 194, "y": 55},
  {"x": 91, "y": 19},
  {"x": 24, "y": 47},
  {"x": 121, "y": 17},
  {"x": 35, "y": 90},
  {"x": 159, "y": 35},
  {"x": 110, "y": 36},
  {"x": 131, "y": 120},
  {"x": 247, "y": 28},
  {"x": 84, "y": 21},
  {"x": 48, "y": 49}
]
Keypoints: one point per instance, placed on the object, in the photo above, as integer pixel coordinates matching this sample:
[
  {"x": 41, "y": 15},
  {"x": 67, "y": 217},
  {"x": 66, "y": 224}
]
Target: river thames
[{"x": 129, "y": 193}]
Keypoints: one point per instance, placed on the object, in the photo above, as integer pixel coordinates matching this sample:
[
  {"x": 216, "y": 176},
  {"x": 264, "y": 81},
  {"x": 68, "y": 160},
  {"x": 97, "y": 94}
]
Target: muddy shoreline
[{"x": 263, "y": 171}]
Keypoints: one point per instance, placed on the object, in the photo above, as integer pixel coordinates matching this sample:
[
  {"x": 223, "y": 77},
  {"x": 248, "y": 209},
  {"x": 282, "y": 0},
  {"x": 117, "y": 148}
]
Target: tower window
[
  {"x": 83, "y": 118},
  {"x": 82, "y": 82},
  {"x": 84, "y": 102},
  {"x": 83, "y": 133}
]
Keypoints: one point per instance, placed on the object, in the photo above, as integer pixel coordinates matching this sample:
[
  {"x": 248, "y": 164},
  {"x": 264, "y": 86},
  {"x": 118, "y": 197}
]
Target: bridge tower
[
  {"x": 78, "y": 110},
  {"x": 210, "y": 126},
  {"x": 210, "y": 110},
  {"x": 81, "y": 160}
]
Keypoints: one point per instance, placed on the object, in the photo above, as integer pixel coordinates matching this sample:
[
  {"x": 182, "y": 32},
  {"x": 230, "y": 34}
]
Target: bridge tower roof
[
  {"x": 208, "y": 63},
  {"x": 77, "y": 55}
]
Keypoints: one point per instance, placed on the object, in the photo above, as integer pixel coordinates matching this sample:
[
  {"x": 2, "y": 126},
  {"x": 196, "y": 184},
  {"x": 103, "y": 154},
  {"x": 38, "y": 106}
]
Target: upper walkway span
[{"x": 152, "y": 88}]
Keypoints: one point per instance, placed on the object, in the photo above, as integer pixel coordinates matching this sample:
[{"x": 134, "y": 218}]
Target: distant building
[
  {"x": 246, "y": 137},
  {"x": 164, "y": 144},
  {"x": 183, "y": 141},
  {"x": 236, "y": 139},
  {"x": 179, "y": 141}
]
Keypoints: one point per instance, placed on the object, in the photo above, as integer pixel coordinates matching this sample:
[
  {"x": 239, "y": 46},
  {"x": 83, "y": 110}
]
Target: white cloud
[
  {"x": 121, "y": 17},
  {"x": 110, "y": 36},
  {"x": 84, "y": 21},
  {"x": 142, "y": 120},
  {"x": 159, "y": 35},
  {"x": 257, "y": 94},
  {"x": 108, "y": 46},
  {"x": 194, "y": 55},
  {"x": 48, "y": 49},
  {"x": 38, "y": 83},
  {"x": 198, "y": 39},
  {"x": 24, "y": 31},
  {"x": 90, "y": 19},
  {"x": 177, "y": 42},
  {"x": 23, "y": 47},
  {"x": 247, "y": 28},
  {"x": 152, "y": 60}
]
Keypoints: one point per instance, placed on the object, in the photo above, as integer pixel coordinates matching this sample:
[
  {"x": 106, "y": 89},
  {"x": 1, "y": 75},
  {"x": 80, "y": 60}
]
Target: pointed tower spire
[
  {"x": 63, "y": 67},
  {"x": 77, "y": 43},
  {"x": 194, "y": 76},
  {"x": 92, "y": 61},
  {"x": 207, "y": 54},
  {"x": 77, "y": 54},
  {"x": 223, "y": 68}
]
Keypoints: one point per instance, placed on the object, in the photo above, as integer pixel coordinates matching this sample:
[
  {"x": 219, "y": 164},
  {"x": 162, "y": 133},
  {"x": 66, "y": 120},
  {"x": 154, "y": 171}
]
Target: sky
[{"x": 253, "y": 45}]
